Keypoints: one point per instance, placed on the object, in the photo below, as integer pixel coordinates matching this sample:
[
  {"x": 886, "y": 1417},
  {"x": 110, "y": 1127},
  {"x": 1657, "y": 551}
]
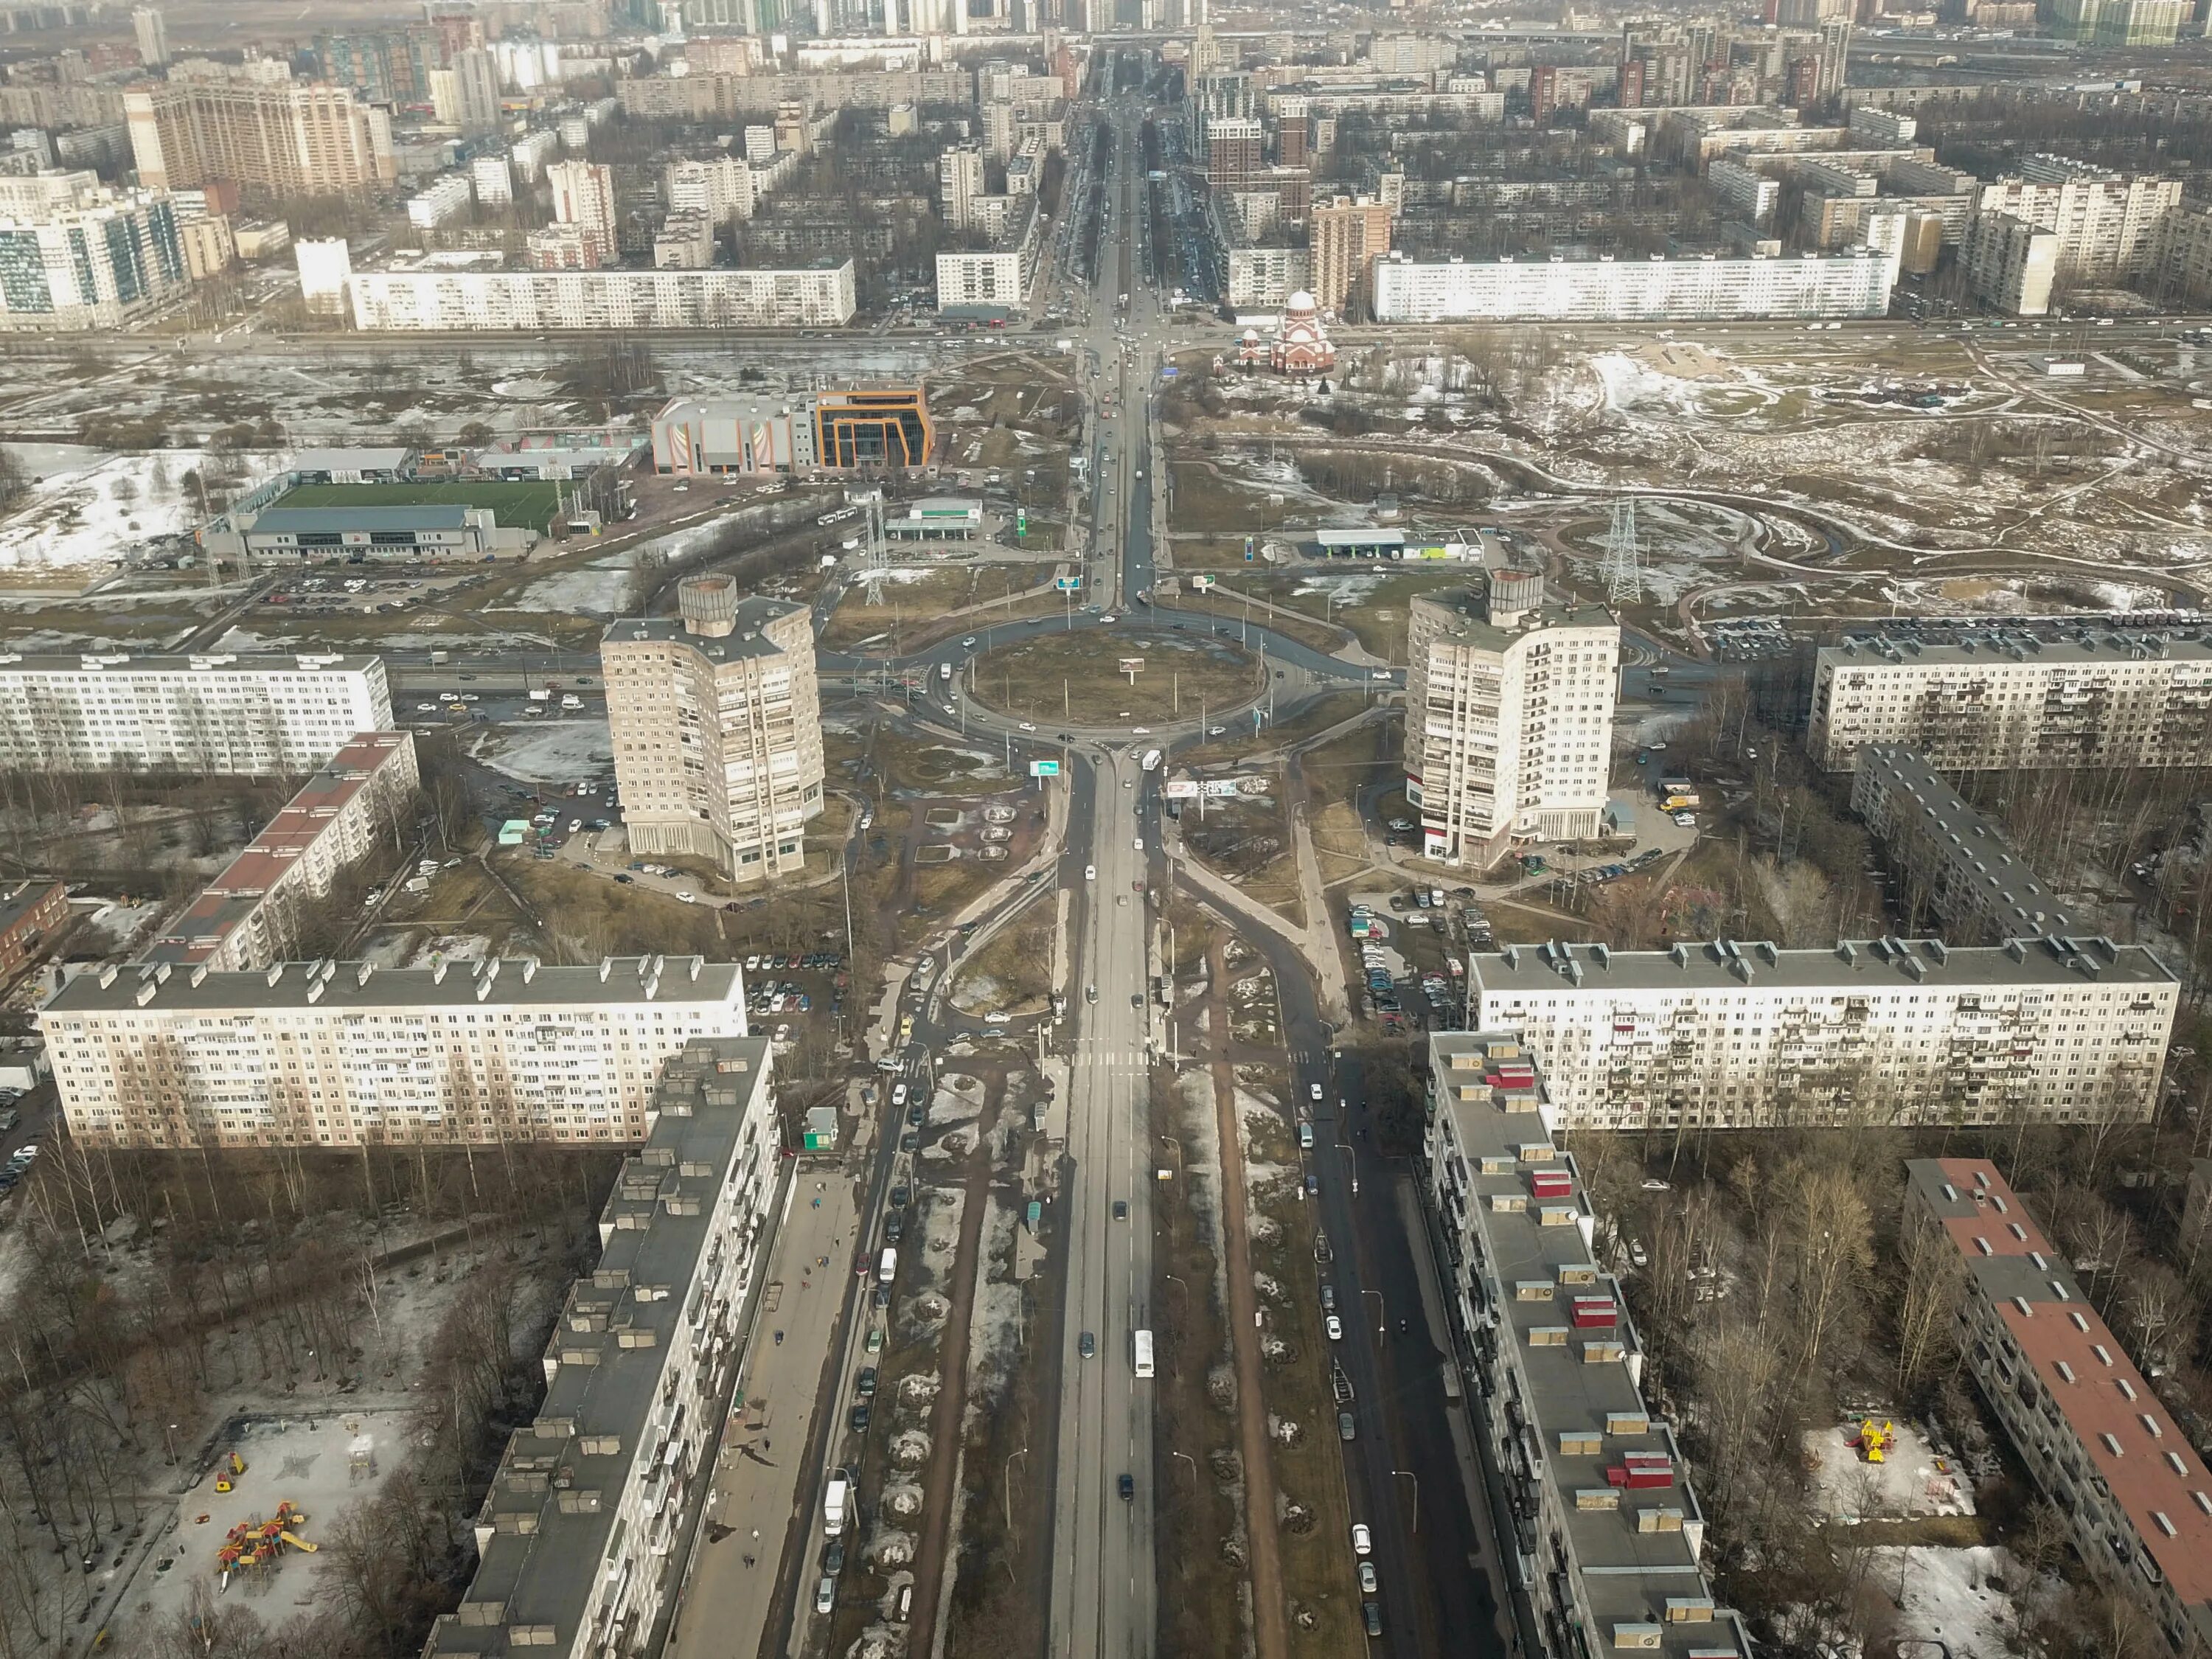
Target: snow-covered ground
[
  {"x": 598, "y": 589},
  {"x": 1957, "y": 1597},
  {"x": 1911, "y": 1479},
  {"x": 549, "y": 751},
  {"x": 89, "y": 507}
]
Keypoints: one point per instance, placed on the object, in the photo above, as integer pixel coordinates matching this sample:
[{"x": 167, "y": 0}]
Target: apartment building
[
  {"x": 33, "y": 914},
  {"x": 2104, "y": 226},
  {"x": 1954, "y": 862},
  {"x": 273, "y": 139},
  {"x": 448, "y": 196},
  {"x": 723, "y": 187},
  {"x": 2003, "y": 698},
  {"x": 151, "y": 31},
  {"x": 995, "y": 282},
  {"x": 1753, "y": 195},
  {"x": 438, "y": 296},
  {"x": 583, "y": 197},
  {"x": 94, "y": 259},
  {"x": 959, "y": 182},
  {"x": 717, "y": 728},
  {"x": 221, "y": 714},
  {"x": 1346, "y": 235},
  {"x": 1509, "y": 723},
  {"x": 2092, "y": 1433},
  {"x": 250, "y": 915},
  {"x": 2118, "y": 22},
  {"x": 1236, "y": 150},
  {"x": 1731, "y": 1035},
  {"x": 343, "y": 1053},
  {"x": 580, "y": 1540},
  {"x": 464, "y": 94},
  {"x": 1855, "y": 283},
  {"x": 1602, "y": 1528},
  {"x": 492, "y": 177},
  {"x": 1266, "y": 277}
]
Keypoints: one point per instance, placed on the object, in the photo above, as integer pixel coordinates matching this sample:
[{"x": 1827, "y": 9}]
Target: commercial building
[
  {"x": 96, "y": 259},
  {"x": 1602, "y": 1528},
  {"x": 1509, "y": 717},
  {"x": 1729, "y": 1036},
  {"x": 32, "y": 915},
  {"x": 1348, "y": 235},
  {"x": 2007, "y": 698},
  {"x": 580, "y": 1540},
  {"x": 1953, "y": 861},
  {"x": 221, "y": 714},
  {"x": 460, "y": 296},
  {"x": 343, "y": 1053},
  {"x": 435, "y": 532},
  {"x": 717, "y": 728},
  {"x": 1853, "y": 284},
  {"x": 863, "y": 429},
  {"x": 250, "y": 915},
  {"x": 273, "y": 139},
  {"x": 2091, "y": 1430}
]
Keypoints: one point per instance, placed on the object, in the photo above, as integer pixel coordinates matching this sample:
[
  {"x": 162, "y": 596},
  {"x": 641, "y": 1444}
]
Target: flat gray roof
[
  {"x": 1854, "y": 967},
  {"x": 2056, "y": 649},
  {"x": 607, "y": 1379},
  {"x": 124, "y": 662},
  {"x": 1373, "y": 535},
  {"x": 293, "y": 520},
  {"x": 1624, "y": 1574},
  {"x": 345, "y": 986},
  {"x": 754, "y": 613},
  {"x": 1470, "y": 621},
  {"x": 1965, "y": 838},
  {"x": 347, "y": 459}
]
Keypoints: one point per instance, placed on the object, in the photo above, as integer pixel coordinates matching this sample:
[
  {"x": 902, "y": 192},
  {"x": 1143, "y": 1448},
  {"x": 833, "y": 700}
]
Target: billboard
[
  {"x": 1068, "y": 584},
  {"x": 1045, "y": 769},
  {"x": 1217, "y": 788},
  {"x": 1180, "y": 789},
  {"x": 1131, "y": 664}
]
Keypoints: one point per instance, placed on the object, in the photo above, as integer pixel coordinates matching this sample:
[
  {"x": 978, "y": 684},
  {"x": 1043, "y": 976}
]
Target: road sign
[
  {"x": 1247, "y": 549},
  {"x": 1021, "y": 521},
  {"x": 1180, "y": 789},
  {"x": 1068, "y": 584},
  {"x": 1170, "y": 372},
  {"x": 1045, "y": 769}
]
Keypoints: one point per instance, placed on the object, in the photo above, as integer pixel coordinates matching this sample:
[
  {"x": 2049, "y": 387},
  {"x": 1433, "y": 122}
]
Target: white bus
[{"x": 1141, "y": 1349}]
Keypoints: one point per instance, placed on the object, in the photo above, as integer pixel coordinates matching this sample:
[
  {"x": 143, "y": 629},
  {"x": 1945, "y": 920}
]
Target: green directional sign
[{"x": 1048, "y": 768}]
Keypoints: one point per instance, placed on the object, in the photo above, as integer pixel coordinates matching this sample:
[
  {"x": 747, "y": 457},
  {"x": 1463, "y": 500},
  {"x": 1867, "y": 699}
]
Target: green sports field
[{"x": 528, "y": 505}]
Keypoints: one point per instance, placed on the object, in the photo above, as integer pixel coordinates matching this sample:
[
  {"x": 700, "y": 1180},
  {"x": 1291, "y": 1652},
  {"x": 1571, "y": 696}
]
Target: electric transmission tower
[{"x": 1624, "y": 564}]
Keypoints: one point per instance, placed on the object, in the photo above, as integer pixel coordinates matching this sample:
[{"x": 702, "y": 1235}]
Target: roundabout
[{"x": 1100, "y": 677}]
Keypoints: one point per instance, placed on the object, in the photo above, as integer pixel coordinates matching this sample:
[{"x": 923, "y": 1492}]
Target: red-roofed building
[
  {"x": 2087, "y": 1425},
  {"x": 248, "y": 916}
]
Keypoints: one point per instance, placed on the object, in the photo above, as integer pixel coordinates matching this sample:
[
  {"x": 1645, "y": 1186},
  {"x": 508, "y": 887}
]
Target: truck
[
  {"x": 571, "y": 701},
  {"x": 833, "y": 1505},
  {"x": 541, "y": 694},
  {"x": 1341, "y": 1383},
  {"x": 1151, "y": 760}
]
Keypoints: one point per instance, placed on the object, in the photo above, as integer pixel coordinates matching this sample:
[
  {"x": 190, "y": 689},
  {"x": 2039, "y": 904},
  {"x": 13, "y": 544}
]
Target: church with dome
[{"x": 1299, "y": 347}]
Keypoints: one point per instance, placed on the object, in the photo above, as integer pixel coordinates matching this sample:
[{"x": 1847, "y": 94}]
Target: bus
[{"x": 1141, "y": 1349}]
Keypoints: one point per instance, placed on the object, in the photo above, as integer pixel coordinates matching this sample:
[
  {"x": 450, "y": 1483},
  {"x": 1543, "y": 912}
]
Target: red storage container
[
  {"x": 1551, "y": 1183},
  {"x": 1589, "y": 1312}
]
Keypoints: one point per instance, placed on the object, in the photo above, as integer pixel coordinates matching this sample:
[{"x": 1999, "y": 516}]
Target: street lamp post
[
  {"x": 1192, "y": 1462},
  {"x": 1006, "y": 1488},
  {"x": 1416, "y": 1479},
  {"x": 1379, "y": 1310}
]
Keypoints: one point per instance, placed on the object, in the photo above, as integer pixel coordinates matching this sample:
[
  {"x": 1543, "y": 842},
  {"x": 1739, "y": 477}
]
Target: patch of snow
[{"x": 547, "y": 752}]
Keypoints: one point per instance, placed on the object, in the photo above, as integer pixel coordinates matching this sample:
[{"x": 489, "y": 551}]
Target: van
[
  {"x": 1305, "y": 1137},
  {"x": 887, "y": 1269}
]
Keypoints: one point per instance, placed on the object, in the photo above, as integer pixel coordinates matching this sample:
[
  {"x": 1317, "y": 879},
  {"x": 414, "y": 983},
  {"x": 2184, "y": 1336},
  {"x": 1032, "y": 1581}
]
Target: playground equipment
[
  {"x": 1875, "y": 1439},
  {"x": 226, "y": 1474},
  {"x": 255, "y": 1547}
]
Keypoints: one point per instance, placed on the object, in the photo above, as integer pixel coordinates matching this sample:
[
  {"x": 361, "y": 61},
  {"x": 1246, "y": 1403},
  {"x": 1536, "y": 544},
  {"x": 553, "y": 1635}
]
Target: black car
[
  {"x": 1128, "y": 1487},
  {"x": 899, "y": 1197},
  {"x": 883, "y": 1296},
  {"x": 894, "y": 1229},
  {"x": 1372, "y": 1612},
  {"x": 859, "y": 1420},
  {"x": 867, "y": 1384},
  {"x": 915, "y": 1113},
  {"x": 908, "y": 1141},
  {"x": 833, "y": 1558}
]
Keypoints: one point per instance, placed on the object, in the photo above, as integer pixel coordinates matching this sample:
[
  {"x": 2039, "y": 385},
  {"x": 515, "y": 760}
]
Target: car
[
  {"x": 1371, "y": 1613},
  {"x": 1136, "y": 998},
  {"x": 1638, "y": 1254},
  {"x": 426, "y": 707},
  {"x": 883, "y": 1297},
  {"x": 1346, "y": 1429},
  {"x": 915, "y": 1113},
  {"x": 1367, "y": 1578},
  {"x": 900, "y": 1197},
  {"x": 1313, "y": 1185},
  {"x": 833, "y": 1558},
  {"x": 898, "y": 1094},
  {"x": 1686, "y": 820},
  {"x": 1029, "y": 725},
  {"x": 575, "y": 824},
  {"x": 1658, "y": 748},
  {"x": 825, "y": 1592},
  {"x": 1120, "y": 1209},
  {"x": 1128, "y": 1487},
  {"x": 1335, "y": 1326},
  {"x": 875, "y": 1342},
  {"x": 1313, "y": 1090},
  {"x": 1654, "y": 1184},
  {"x": 1363, "y": 1542},
  {"x": 1087, "y": 1345},
  {"x": 909, "y": 1141},
  {"x": 625, "y": 879},
  {"x": 1107, "y": 618},
  {"x": 969, "y": 643},
  {"x": 1090, "y": 872},
  {"x": 859, "y": 1420},
  {"x": 1215, "y": 731}
]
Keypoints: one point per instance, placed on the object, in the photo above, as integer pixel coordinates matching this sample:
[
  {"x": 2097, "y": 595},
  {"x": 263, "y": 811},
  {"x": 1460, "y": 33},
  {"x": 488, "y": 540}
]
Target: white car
[
  {"x": 1139, "y": 844},
  {"x": 1314, "y": 1091},
  {"x": 1029, "y": 725},
  {"x": 1335, "y": 1328},
  {"x": 1107, "y": 618},
  {"x": 898, "y": 1094},
  {"x": 1367, "y": 1578},
  {"x": 1090, "y": 872},
  {"x": 426, "y": 707},
  {"x": 1686, "y": 820},
  {"x": 996, "y": 1017},
  {"x": 968, "y": 643},
  {"x": 1362, "y": 1540},
  {"x": 687, "y": 898}
]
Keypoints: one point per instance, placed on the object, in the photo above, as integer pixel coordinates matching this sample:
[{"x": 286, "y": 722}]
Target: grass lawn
[
  {"x": 1316, "y": 715},
  {"x": 1050, "y": 677},
  {"x": 1372, "y": 605},
  {"x": 531, "y": 503},
  {"x": 1204, "y": 500},
  {"x": 907, "y": 608}
]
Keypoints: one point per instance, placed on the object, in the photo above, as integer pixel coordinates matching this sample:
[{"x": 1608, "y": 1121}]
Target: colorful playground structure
[
  {"x": 257, "y": 1546},
  {"x": 1875, "y": 1439}
]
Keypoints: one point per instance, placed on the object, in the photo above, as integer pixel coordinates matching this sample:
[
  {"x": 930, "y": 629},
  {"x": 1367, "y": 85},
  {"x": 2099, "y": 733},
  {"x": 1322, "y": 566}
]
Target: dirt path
[
  {"x": 1270, "y": 1629},
  {"x": 941, "y": 1480}
]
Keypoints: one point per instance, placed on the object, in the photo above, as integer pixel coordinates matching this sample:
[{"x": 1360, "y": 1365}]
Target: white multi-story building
[
  {"x": 1750, "y": 193},
  {"x": 584, "y": 196},
  {"x": 1539, "y": 1325},
  {"x": 2107, "y": 227},
  {"x": 88, "y": 259},
  {"x": 153, "y": 33},
  {"x": 2009, "y": 698},
  {"x": 959, "y": 182},
  {"x": 593, "y": 1503},
  {"x": 1508, "y": 718},
  {"x": 342, "y": 1053},
  {"x": 1873, "y": 1031},
  {"x": 434, "y": 295},
  {"x": 493, "y": 179},
  {"x": 717, "y": 728},
  {"x": 1855, "y": 283},
  {"x": 2091, "y": 1431},
  {"x": 251, "y": 914},
  {"x": 723, "y": 187},
  {"x": 995, "y": 282},
  {"x": 228, "y": 715},
  {"x": 445, "y": 196},
  {"x": 1266, "y": 277},
  {"x": 532, "y": 153}
]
